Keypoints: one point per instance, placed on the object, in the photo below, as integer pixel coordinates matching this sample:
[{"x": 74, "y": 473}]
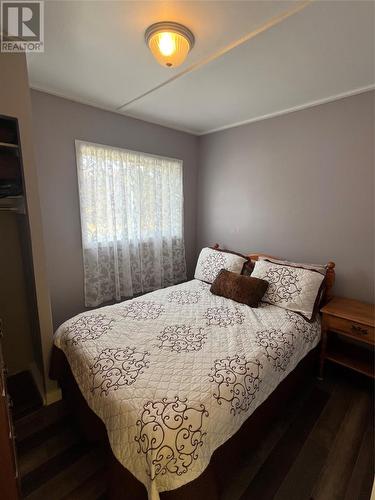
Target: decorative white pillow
[
  {"x": 290, "y": 287},
  {"x": 311, "y": 267},
  {"x": 211, "y": 261}
]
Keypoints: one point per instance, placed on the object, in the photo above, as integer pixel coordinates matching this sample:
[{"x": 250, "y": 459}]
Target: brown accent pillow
[{"x": 242, "y": 289}]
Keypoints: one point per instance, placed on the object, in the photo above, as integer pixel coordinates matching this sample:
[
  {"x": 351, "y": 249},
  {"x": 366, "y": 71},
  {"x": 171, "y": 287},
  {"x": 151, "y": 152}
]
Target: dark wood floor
[
  {"x": 319, "y": 448},
  {"x": 54, "y": 460}
]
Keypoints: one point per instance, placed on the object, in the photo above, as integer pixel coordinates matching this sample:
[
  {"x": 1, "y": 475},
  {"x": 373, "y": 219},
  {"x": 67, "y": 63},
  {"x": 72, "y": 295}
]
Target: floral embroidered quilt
[{"x": 175, "y": 373}]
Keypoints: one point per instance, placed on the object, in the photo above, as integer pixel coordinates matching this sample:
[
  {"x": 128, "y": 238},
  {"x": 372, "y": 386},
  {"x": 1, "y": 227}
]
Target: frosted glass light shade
[{"x": 169, "y": 42}]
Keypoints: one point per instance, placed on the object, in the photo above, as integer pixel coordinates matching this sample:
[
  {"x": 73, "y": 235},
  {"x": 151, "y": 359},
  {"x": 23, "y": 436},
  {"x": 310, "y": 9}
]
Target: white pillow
[
  {"x": 293, "y": 288},
  {"x": 211, "y": 261},
  {"x": 312, "y": 267}
]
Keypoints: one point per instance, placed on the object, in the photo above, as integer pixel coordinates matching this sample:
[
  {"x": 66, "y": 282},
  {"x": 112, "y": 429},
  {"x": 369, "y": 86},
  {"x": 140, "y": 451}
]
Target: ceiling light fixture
[{"x": 169, "y": 43}]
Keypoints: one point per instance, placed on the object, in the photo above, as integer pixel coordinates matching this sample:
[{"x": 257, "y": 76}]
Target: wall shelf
[
  {"x": 11, "y": 182},
  {"x": 13, "y": 204}
]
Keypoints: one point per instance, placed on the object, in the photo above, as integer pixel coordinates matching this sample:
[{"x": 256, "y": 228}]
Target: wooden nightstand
[{"x": 348, "y": 336}]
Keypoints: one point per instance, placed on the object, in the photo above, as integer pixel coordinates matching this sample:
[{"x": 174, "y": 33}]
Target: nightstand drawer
[{"x": 357, "y": 330}]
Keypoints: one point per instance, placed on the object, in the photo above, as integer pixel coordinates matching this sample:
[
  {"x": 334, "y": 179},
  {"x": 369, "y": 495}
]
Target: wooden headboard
[{"x": 330, "y": 274}]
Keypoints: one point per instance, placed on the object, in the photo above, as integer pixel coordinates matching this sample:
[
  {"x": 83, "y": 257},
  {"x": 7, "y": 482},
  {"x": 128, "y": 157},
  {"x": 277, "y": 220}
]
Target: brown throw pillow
[{"x": 243, "y": 289}]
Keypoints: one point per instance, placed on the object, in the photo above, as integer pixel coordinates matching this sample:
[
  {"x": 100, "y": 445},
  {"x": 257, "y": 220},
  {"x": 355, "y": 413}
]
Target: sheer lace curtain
[{"x": 132, "y": 222}]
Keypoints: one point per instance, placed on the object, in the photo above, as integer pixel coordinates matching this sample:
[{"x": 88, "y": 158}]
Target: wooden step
[
  {"x": 63, "y": 474},
  {"x": 40, "y": 419},
  {"x": 48, "y": 470},
  {"x": 24, "y": 394},
  {"x": 43, "y": 435},
  {"x": 49, "y": 446}
]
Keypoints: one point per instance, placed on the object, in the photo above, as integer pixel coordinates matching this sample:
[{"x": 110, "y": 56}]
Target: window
[{"x": 132, "y": 221}]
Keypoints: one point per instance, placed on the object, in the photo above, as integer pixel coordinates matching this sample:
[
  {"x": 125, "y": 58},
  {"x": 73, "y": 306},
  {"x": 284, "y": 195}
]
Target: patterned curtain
[{"x": 132, "y": 222}]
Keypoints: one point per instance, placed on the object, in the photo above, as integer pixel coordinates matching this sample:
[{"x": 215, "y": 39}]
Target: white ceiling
[{"x": 251, "y": 59}]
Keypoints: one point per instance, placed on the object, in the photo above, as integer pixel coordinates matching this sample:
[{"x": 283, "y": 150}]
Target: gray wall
[
  {"x": 57, "y": 123},
  {"x": 299, "y": 186}
]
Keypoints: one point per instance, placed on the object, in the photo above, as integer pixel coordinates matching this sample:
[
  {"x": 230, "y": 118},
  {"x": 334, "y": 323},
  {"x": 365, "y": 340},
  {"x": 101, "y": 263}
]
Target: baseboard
[
  {"x": 38, "y": 379},
  {"x": 49, "y": 395},
  {"x": 53, "y": 395}
]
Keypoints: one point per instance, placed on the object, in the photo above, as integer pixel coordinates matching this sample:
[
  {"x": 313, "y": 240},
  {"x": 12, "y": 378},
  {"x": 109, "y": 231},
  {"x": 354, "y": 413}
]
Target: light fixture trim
[{"x": 172, "y": 27}]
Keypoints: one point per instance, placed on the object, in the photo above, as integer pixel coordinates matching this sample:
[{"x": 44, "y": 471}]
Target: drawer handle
[{"x": 359, "y": 329}]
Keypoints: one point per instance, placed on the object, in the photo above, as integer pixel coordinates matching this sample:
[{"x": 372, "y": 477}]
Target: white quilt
[{"x": 175, "y": 373}]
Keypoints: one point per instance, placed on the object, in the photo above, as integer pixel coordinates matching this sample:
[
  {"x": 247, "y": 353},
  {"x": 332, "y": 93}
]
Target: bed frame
[{"x": 122, "y": 485}]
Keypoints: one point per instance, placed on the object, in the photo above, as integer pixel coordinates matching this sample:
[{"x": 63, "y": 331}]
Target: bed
[{"x": 180, "y": 382}]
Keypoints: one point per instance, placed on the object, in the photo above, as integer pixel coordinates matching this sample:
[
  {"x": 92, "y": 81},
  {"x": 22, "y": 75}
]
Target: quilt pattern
[{"x": 175, "y": 373}]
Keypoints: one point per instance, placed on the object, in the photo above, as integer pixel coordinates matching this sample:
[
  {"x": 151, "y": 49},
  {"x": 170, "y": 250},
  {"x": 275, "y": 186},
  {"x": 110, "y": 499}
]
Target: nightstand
[{"x": 348, "y": 336}]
